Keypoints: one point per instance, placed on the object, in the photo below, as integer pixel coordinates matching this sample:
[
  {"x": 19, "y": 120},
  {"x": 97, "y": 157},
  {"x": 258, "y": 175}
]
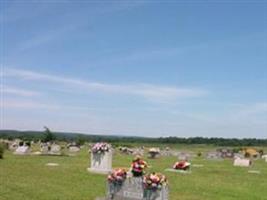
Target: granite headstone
[
  {"x": 132, "y": 189},
  {"x": 101, "y": 162}
]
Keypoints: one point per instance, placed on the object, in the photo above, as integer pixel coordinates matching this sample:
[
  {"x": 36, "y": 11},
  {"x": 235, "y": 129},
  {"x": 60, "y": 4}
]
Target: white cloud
[
  {"x": 45, "y": 37},
  {"x": 150, "y": 92},
  {"x": 18, "y": 91},
  {"x": 26, "y": 104}
]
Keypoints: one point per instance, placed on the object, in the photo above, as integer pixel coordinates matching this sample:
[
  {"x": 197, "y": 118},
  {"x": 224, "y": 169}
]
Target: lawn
[{"x": 28, "y": 178}]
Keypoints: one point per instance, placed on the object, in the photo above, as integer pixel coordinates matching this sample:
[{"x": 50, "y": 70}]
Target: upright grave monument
[
  {"x": 134, "y": 185},
  {"x": 23, "y": 149},
  {"x": 154, "y": 152},
  {"x": 101, "y": 158},
  {"x": 50, "y": 149},
  {"x": 242, "y": 162}
]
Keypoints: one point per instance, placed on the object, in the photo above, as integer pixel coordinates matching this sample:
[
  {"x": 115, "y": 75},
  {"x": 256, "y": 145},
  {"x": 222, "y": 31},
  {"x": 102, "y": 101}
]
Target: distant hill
[{"x": 62, "y": 136}]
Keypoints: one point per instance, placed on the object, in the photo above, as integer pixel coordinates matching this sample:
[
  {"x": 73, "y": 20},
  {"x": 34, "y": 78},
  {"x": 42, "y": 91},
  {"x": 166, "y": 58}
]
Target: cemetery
[
  {"x": 133, "y": 100},
  {"x": 111, "y": 174}
]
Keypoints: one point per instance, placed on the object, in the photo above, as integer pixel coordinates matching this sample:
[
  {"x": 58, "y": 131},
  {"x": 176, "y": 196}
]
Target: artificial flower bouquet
[
  {"x": 117, "y": 176},
  {"x": 101, "y": 147},
  {"x": 182, "y": 165},
  {"x": 154, "y": 181},
  {"x": 138, "y": 167}
]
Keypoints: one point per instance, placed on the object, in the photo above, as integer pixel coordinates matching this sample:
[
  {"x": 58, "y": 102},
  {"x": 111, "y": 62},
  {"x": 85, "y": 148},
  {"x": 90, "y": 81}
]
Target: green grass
[{"x": 28, "y": 178}]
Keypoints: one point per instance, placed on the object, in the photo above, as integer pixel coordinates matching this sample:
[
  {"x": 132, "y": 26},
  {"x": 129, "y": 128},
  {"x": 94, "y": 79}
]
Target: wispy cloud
[
  {"x": 249, "y": 111},
  {"x": 45, "y": 37},
  {"x": 19, "y": 91},
  {"x": 157, "y": 93},
  {"x": 27, "y": 104}
]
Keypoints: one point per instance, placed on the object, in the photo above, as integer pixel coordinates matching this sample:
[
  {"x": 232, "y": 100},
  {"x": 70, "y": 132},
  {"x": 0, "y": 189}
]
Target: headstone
[
  {"x": 238, "y": 155},
  {"x": 154, "y": 152},
  {"x": 74, "y": 149},
  {"x": 226, "y": 152},
  {"x": 132, "y": 189},
  {"x": 214, "y": 156},
  {"x": 44, "y": 148},
  {"x": 138, "y": 152},
  {"x": 55, "y": 149},
  {"x": 13, "y": 146},
  {"x": 22, "y": 150},
  {"x": 101, "y": 162},
  {"x": 242, "y": 162},
  {"x": 126, "y": 150},
  {"x": 265, "y": 157}
]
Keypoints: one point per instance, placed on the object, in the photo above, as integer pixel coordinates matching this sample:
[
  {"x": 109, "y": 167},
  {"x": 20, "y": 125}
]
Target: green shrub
[
  {"x": 28, "y": 143},
  {"x": 2, "y": 149},
  {"x": 199, "y": 154}
]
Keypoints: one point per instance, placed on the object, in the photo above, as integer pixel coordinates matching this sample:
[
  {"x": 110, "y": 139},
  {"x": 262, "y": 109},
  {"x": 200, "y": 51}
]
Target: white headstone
[
  {"x": 101, "y": 162},
  {"x": 74, "y": 149},
  {"x": 44, "y": 148},
  {"x": 264, "y": 157},
  {"x": 242, "y": 162},
  {"x": 13, "y": 146},
  {"x": 238, "y": 155},
  {"x": 214, "y": 156},
  {"x": 22, "y": 150},
  {"x": 55, "y": 149}
]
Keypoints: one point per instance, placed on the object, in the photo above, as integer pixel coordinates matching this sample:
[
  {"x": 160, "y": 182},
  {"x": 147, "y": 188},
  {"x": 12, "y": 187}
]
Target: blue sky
[{"x": 146, "y": 68}]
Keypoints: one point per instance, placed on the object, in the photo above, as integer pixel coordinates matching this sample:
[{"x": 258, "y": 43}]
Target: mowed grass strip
[{"x": 28, "y": 178}]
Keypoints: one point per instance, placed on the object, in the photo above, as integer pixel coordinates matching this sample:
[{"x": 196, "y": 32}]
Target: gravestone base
[
  {"x": 132, "y": 189},
  {"x": 99, "y": 171}
]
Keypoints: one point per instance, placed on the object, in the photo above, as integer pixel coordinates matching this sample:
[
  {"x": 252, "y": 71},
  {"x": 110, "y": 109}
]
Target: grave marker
[
  {"x": 101, "y": 160},
  {"x": 132, "y": 189},
  {"x": 242, "y": 162}
]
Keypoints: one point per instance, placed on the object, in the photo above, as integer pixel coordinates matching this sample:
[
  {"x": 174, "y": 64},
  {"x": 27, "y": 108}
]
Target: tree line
[{"x": 47, "y": 135}]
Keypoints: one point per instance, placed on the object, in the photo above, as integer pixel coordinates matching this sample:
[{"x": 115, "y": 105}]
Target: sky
[{"x": 140, "y": 68}]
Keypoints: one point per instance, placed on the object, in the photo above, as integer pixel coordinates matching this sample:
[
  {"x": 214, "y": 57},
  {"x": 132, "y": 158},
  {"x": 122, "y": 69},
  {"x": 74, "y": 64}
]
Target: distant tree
[
  {"x": 261, "y": 152},
  {"x": 28, "y": 143},
  {"x": 2, "y": 150},
  {"x": 48, "y": 135},
  {"x": 80, "y": 140}
]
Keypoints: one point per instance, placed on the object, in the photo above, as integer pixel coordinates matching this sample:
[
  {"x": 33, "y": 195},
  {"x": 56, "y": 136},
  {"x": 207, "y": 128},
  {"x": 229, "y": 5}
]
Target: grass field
[{"x": 28, "y": 178}]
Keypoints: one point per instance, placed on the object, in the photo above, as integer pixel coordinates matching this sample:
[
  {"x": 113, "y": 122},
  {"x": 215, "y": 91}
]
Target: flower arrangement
[
  {"x": 182, "y": 165},
  {"x": 154, "y": 181},
  {"x": 138, "y": 166},
  {"x": 100, "y": 147},
  {"x": 117, "y": 176}
]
